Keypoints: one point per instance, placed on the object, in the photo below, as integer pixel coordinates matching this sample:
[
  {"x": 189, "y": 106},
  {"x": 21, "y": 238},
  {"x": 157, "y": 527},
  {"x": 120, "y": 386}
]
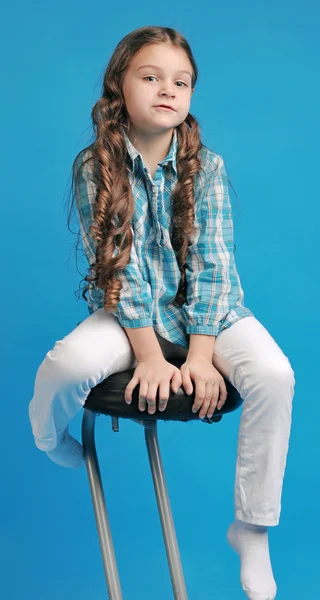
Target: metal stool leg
[
  {"x": 168, "y": 529},
  {"x": 99, "y": 504}
]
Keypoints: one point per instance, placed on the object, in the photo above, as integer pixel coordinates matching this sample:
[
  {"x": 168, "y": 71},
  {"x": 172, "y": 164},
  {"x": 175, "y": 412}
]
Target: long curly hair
[{"x": 114, "y": 203}]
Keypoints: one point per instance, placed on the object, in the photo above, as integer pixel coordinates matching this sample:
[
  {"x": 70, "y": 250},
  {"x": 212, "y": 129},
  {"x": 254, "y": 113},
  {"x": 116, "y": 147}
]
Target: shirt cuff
[
  {"x": 130, "y": 323},
  {"x": 203, "y": 329}
]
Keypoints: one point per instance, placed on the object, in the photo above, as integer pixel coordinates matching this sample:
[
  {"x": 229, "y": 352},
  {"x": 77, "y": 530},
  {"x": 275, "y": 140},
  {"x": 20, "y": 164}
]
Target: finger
[
  {"x": 164, "y": 393},
  {"x": 151, "y": 397},
  {"x": 214, "y": 399},
  {"x": 209, "y": 397},
  {"x": 204, "y": 407},
  {"x": 176, "y": 381},
  {"x": 143, "y": 395},
  {"x": 200, "y": 394},
  {"x": 223, "y": 394},
  {"x": 186, "y": 382},
  {"x": 130, "y": 387}
]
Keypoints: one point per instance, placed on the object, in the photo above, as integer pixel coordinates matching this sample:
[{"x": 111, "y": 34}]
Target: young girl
[{"x": 157, "y": 230}]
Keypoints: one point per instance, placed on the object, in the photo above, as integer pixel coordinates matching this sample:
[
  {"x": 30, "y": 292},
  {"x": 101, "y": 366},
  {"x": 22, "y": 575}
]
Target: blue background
[{"x": 257, "y": 100}]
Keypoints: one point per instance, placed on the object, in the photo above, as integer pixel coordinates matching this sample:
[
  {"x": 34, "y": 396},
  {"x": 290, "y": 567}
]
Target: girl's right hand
[{"x": 151, "y": 373}]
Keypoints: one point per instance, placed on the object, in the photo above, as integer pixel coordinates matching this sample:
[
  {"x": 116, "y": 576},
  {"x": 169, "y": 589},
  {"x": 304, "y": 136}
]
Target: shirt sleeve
[
  {"x": 135, "y": 308},
  {"x": 212, "y": 282}
]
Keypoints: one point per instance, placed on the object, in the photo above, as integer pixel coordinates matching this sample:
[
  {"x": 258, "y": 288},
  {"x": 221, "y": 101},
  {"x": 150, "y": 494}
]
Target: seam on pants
[{"x": 241, "y": 440}]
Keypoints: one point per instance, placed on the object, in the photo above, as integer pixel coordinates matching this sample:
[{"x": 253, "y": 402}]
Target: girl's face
[{"x": 168, "y": 81}]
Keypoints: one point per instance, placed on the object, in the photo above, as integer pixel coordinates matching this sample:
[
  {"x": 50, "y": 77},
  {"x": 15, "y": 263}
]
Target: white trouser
[{"x": 245, "y": 354}]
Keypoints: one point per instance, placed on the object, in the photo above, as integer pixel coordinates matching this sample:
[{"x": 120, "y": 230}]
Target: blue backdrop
[{"x": 257, "y": 100}]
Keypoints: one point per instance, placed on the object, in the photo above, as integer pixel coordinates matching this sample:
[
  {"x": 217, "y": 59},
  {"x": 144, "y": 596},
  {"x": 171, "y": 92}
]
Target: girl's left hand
[{"x": 211, "y": 389}]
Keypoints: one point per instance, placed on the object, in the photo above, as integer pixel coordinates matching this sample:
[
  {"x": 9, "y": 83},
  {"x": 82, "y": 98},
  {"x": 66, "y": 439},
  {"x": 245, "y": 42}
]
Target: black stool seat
[{"x": 107, "y": 398}]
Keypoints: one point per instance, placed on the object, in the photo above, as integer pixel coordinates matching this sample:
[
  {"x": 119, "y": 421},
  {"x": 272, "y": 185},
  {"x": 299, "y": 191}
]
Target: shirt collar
[{"x": 170, "y": 158}]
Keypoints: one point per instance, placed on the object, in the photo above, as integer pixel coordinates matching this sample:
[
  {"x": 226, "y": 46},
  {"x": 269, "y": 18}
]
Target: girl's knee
[
  {"x": 266, "y": 372},
  {"x": 280, "y": 370}
]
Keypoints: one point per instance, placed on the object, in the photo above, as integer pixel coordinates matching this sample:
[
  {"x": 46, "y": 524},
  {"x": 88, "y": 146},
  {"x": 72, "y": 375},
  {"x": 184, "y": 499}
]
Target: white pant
[{"x": 245, "y": 354}]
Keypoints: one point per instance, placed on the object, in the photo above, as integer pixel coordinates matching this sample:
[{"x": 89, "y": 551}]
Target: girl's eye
[{"x": 150, "y": 76}]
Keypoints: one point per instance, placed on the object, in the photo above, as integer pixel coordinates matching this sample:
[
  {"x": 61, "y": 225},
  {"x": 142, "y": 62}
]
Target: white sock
[
  {"x": 68, "y": 452},
  {"x": 251, "y": 543}
]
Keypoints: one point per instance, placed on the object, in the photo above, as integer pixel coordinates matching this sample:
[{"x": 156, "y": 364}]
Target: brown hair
[{"x": 114, "y": 204}]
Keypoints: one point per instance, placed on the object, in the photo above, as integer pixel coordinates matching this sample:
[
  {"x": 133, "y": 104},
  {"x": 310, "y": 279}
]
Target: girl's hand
[
  {"x": 150, "y": 373},
  {"x": 211, "y": 389}
]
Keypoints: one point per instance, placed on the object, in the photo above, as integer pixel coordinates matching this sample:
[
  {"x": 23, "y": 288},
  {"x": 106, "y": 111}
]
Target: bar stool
[{"x": 107, "y": 398}]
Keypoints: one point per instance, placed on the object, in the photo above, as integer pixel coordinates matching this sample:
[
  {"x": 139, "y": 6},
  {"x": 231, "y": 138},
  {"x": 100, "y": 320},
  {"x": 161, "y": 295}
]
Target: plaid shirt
[{"x": 214, "y": 296}]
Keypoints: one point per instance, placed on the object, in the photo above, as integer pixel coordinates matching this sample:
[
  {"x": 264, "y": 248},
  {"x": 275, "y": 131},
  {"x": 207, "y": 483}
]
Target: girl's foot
[
  {"x": 68, "y": 452},
  {"x": 251, "y": 544}
]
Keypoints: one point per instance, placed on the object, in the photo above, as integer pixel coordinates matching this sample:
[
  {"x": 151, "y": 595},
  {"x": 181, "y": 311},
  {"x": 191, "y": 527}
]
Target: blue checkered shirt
[{"x": 214, "y": 296}]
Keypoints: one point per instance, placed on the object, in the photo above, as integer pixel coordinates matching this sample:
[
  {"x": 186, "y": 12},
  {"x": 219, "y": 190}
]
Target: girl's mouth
[{"x": 164, "y": 108}]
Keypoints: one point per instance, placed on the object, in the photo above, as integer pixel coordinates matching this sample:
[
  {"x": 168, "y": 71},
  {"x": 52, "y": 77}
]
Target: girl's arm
[
  {"x": 201, "y": 345},
  {"x": 144, "y": 342},
  {"x": 135, "y": 307},
  {"x": 212, "y": 282}
]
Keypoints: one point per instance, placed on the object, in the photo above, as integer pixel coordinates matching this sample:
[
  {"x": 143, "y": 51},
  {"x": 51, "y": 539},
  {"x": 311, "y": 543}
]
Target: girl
[{"x": 157, "y": 230}]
